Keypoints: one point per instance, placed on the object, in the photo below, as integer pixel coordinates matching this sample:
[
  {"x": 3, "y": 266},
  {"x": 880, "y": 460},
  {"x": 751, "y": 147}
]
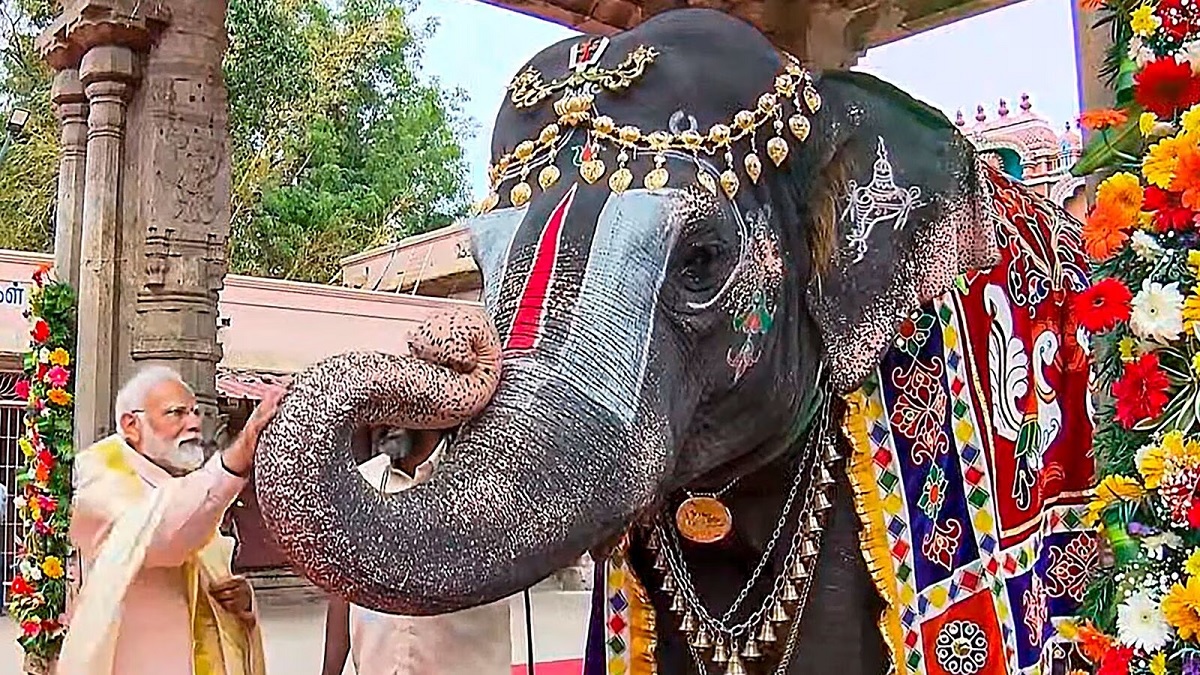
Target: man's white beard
[{"x": 174, "y": 456}]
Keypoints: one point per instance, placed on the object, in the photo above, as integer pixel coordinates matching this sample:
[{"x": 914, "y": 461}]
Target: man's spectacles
[{"x": 177, "y": 412}]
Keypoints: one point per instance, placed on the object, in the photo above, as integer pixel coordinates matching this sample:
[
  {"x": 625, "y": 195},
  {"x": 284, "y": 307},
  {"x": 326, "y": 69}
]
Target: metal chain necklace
[{"x": 791, "y": 587}]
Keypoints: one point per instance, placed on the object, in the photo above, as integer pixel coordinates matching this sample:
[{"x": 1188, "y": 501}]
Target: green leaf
[{"x": 1104, "y": 149}]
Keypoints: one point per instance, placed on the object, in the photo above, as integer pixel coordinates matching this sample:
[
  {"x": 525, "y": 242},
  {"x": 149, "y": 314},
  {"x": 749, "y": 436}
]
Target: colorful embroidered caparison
[{"x": 971, "y": 460}]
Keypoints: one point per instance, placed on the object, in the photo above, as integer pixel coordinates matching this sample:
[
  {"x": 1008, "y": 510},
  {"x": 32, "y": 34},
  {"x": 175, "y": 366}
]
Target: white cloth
[{"x": 476, "y": 641}]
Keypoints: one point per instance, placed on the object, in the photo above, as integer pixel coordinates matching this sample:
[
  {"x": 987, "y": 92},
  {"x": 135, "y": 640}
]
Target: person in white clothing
[{"x": 472, "y": 642}]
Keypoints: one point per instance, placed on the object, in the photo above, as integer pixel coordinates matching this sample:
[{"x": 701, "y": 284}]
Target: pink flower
[
  {"x": 22, "y": 389},
  {"x": 58, "y": 376}
]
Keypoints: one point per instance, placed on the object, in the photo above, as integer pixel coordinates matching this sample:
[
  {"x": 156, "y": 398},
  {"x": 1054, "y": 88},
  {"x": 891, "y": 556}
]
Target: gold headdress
[{"x": 576, "y": 109}]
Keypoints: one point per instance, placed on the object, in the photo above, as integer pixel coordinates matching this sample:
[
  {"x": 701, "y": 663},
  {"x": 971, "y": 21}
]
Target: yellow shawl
[{"x": 223, "y": 644}]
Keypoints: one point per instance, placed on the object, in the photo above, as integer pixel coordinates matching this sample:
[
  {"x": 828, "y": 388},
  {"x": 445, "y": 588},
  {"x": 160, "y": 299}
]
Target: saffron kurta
[
  {"x": 152, "y": 632},
  {"x": 476, "y": 641}
]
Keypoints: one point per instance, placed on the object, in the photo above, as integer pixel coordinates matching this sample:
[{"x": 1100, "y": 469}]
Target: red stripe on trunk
[{"x": 531, "y": 310}]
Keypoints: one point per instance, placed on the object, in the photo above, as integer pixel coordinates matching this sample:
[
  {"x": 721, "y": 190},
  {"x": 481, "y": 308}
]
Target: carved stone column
[
  {"x": 70, "y": 102},
  {"x": 178, "y": 194},
  {"x": 108, "y": 75}
]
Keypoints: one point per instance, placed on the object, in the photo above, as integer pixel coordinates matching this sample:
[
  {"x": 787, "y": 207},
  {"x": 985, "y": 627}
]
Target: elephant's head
[{"x": 690, "y": 237}]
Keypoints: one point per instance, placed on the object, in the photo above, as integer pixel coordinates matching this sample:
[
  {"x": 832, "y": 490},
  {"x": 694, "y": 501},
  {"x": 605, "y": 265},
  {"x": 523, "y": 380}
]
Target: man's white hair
[{"x": 133, "y": 394}]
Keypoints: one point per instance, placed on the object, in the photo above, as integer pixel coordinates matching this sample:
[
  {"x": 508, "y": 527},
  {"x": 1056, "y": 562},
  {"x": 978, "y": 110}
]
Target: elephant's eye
[{"x": 697, "y": 266}]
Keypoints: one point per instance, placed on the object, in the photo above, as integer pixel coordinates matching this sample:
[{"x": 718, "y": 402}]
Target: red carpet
[{"x": 574, "y": 667}]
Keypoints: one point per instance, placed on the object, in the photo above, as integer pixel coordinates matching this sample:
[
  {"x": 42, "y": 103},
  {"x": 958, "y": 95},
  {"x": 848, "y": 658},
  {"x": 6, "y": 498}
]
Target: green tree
[
  {"x": 337, "y": 144},
  {"x": 28, "y": 177}
]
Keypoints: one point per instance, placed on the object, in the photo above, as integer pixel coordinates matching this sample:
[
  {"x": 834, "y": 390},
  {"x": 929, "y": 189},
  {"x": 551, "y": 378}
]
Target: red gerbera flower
[
  {"x": 1102, "y": 306},
  {"x": 18, "y": 586},
  {"x": 1168, "y": 213},
  {"x": 1165, "y": 86},
  {"x": 31, "y": 628},
  {"x": 1116, "y": 661},
  {"x": 22, "y": 389},
  {"x": 1141, "y": 392},
  {"x": 41, "y": 331}
]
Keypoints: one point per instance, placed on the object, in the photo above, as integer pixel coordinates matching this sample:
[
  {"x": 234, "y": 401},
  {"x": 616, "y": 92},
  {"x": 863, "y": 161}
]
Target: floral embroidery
[
  {"x": 1071, "y": 567},
  {"x": 1036, "y": 611},
  {"x": 961, "y": 648},
  {"x": 921, "y": 409}
]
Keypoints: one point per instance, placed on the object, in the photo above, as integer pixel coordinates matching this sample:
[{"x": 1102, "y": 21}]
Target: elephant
[{"x": 693, "y": 247}]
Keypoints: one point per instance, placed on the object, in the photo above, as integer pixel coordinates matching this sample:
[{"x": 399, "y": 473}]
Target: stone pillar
[
  {"x": 1091, "y": 46},
  {"x": 107, "y": 74},
  {"x": 155, "y": 199},
  {"x": 825, "y": 34},
  {"x": 70, "y": 102},
  {"x": 178, "y": 198}
]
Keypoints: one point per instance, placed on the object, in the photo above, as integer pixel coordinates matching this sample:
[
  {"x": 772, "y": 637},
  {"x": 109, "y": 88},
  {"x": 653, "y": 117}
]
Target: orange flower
[
  {"x": 1091, "y": 5},
  {"x": 59, "y": 397},
  {"x": 1092, "y": 642},
  {"x": 1186, "y": 180},
  {"x": 1105, "y": 118},
  {"x": 1105, "y": 231},
  {"x": 1121, "y": 193}
]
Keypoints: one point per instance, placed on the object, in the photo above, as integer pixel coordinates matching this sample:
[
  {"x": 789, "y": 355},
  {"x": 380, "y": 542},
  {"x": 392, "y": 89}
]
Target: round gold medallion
[{"x": 704, "y": 520}]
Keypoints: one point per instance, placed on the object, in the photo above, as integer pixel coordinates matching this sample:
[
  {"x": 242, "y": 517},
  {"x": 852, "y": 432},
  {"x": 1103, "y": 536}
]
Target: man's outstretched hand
[
  {"x": 239, "y": 457},
  {"x": 235, "y": 596}
]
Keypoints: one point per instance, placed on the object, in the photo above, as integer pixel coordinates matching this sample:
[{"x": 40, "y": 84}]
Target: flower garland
[{"x": 38, "y": 592}]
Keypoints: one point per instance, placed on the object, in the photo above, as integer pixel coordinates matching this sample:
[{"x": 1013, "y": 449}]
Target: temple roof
[
  {"x": 1024, "y": 131},
  {"x": 868, "y": 23}
]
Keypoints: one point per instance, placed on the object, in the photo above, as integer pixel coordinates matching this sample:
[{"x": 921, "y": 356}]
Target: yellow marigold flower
[
  {"x": 1143, "y": 21},
  {"x": 1158, "y": 166},
  {"x": 1181, "y": 607},
  {"x": 1146, "y": 122},
  {"x": 1110, "y": 491},
  {"x": 1158, "y": 664},
  {"x": 60, "y": 357},
  {"x": 52, "y": 567},
  {"x": 25, "y": 446},
  {"x": 1125, "y": 346},
  {"x": 58, "y": 397},
  {"x": 1192, "y": 566},
  {"x": 1123, "y": 192},
  {"x": 1190, "y": 121},
  {"x": 1151, "y": 465}
]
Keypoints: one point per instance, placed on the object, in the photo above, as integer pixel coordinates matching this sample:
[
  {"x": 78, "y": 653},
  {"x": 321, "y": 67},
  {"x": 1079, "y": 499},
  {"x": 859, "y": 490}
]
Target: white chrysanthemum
[
  {"x": 1157, "y": 311},
  {"x": 1139, "y": 52},
  {"x": 1155, "y": 542},
  {"x": 1141, "y": 624},
  {"x": 1191, "y": 53},
  {"x": 1145, "y": 246}
]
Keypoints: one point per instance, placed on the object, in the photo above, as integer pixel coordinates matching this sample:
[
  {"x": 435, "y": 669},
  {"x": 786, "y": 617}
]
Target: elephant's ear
[{"x": 897, "y": 220}]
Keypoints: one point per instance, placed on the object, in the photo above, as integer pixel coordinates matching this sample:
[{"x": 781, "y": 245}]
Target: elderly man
[
  {"x": 472, "y": 642},
  {"x": 157, "y": 593}
]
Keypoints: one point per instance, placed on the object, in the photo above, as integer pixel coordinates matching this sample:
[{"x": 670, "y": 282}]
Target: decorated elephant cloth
[{"x": 971, "y": 464}]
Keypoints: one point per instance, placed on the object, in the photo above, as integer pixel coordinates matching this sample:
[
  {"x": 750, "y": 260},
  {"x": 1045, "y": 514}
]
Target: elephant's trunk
[{"x": 515, "y": 497}]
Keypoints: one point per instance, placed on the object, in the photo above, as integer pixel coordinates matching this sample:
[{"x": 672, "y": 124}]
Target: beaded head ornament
[{"x": 576, "y": 110}]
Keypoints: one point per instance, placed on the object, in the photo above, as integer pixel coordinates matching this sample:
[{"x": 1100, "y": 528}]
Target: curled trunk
[{"x": 506, "y": 507}]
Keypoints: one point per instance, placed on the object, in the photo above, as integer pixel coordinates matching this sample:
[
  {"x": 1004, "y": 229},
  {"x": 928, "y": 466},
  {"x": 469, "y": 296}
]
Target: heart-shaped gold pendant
[
  {"x": 620, "y": 180},
  {"x": 753, "y": 167},
  {"x": 730, "y": 183},
  {"x": 656, "y": 179},
  {"x": 800, "y": 127},
  {"x": 777, "y": 150},
  {"x": 592, "y": 170},
  {"x": 707, "y": 181},
  {"x": 488, "y": 203},
  {"x": 520, "y": 194},
  {"x": 548, "y": 176}
]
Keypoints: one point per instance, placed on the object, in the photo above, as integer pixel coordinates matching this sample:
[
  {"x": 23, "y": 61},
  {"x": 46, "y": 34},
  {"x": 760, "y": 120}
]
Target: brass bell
[
  {"x": 701, "y": 640},
  {"x": 778, "y": 613},
  {"x": 720, "y": 653},
  {"x": 668, "y": 583},
  {"x": 809, "y": 549},
  {"x": 821, "y": 502},
  {"x": 652, "y": 543},
  {"x": 735, "y": 666},
  {"x": 688, "y": 624},
  {"x": 677, "y": 604},
  {"x": 812, "y": 524},
  {"x": 823, "y": 476},
  {"x": 831, "y": 453},
  {"x": 798, "y": 571},
  {"x": 765, "y": 634},
  {"x": 751, "y": 651},
  {"x": 789, "y": 593}
]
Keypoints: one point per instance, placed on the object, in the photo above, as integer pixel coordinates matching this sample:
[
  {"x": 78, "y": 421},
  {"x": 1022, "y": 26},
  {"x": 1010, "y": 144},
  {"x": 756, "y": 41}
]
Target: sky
[{"x": 1023, "y": 48}]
